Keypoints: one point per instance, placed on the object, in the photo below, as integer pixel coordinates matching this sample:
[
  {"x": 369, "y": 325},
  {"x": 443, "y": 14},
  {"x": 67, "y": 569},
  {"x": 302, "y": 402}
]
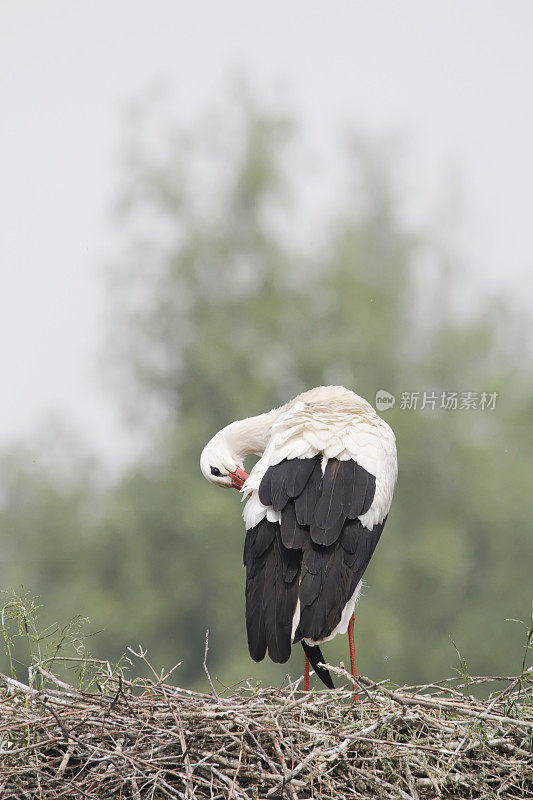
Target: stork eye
[{"x": 216, "y": 472}]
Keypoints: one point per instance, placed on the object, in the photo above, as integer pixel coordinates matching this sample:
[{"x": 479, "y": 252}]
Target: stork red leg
[
  {"x": 306, "y": 674},
  {"x": 352, "y": 656}
]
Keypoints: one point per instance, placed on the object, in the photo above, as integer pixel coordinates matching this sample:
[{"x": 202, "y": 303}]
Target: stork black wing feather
[
  {"x": 265, "y": 488},
  {"x": 255, "y": 589},
  {"x": 291, "y": 560},
  {"x": 306, "y": 501},
  {"x": 271, "y": 591},
  {"x": 317, "y": 554},
  {"x": 280, "y": 473},
  {"x": 355, "y": 490},
  {"x": 321, "y": 611},
  {"x": 350, "y": 535},
  {"x": 293, "y": 535},
  {"x": 329, "y": 535},
  {"x": 370, "y": 492},
  {"x": 310, "y": 588},
  {"x": 281, "y": 600},
  {"x": 330, "y": 505},
  {"x": 368, "y": 540},
  {"x": 298, "y": 475},
  {"x": 265, "y": 533}
]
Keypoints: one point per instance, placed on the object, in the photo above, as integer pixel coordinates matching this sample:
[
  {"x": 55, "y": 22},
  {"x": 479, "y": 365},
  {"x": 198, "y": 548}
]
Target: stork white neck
[{"x": 226, "y": 450}]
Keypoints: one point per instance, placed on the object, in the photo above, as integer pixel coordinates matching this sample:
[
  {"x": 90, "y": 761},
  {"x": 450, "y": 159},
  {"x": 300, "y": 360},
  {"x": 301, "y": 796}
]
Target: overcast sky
[{"x": 454, "y": 78}]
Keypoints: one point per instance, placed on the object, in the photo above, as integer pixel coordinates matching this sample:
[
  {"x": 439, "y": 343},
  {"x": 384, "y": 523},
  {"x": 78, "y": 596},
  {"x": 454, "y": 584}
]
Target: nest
[{"x": 149, "y": 739}]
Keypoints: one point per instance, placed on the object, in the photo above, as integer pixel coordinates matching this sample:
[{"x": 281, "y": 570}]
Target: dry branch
[{"x": 149, "y": 739}]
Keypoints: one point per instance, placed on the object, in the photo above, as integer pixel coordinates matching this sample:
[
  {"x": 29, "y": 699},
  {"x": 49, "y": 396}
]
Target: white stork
[{"x": 318, "y": 500}]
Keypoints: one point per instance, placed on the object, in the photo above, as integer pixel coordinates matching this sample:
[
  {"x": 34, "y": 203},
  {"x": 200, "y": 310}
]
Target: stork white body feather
[{"x": 337, "y": 423}]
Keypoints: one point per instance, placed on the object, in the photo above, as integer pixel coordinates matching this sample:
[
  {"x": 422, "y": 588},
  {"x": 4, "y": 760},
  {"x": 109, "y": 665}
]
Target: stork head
[{"x": 220, "y": 467}]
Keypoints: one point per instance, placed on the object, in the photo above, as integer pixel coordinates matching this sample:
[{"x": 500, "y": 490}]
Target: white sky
[{"x": 454, "y": 78}]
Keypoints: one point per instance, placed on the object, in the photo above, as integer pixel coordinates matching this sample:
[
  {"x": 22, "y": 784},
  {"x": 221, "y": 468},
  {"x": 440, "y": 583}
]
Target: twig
[
  {"x": 205, "y": 664},
  {"x": 446, "y": 705},
  {"x": 66, "y": 758},
  {"x": 236, "y": 772}
]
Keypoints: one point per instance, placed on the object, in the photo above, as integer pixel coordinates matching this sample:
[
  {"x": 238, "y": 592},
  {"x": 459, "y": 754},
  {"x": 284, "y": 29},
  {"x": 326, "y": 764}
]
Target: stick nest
[{"x": 149, "y": 739}]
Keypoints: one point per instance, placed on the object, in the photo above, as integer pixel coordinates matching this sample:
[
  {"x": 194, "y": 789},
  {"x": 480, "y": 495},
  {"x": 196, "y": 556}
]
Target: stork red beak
[{"x": 238, "y": 477}]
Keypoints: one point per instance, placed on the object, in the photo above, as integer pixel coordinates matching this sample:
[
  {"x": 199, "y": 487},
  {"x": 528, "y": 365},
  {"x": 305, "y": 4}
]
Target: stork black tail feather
[{"x": 314, "y": 654}]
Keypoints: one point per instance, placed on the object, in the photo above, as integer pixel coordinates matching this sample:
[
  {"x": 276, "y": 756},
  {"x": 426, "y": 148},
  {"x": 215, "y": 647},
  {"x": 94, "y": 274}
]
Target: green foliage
[
  {"x": 34, "y": 651},
  {"x": 221, "y": 309}
]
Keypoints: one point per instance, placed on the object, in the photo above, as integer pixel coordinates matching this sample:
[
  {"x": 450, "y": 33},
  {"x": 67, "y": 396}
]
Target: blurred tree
[{"x": 219, "y": 312}]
